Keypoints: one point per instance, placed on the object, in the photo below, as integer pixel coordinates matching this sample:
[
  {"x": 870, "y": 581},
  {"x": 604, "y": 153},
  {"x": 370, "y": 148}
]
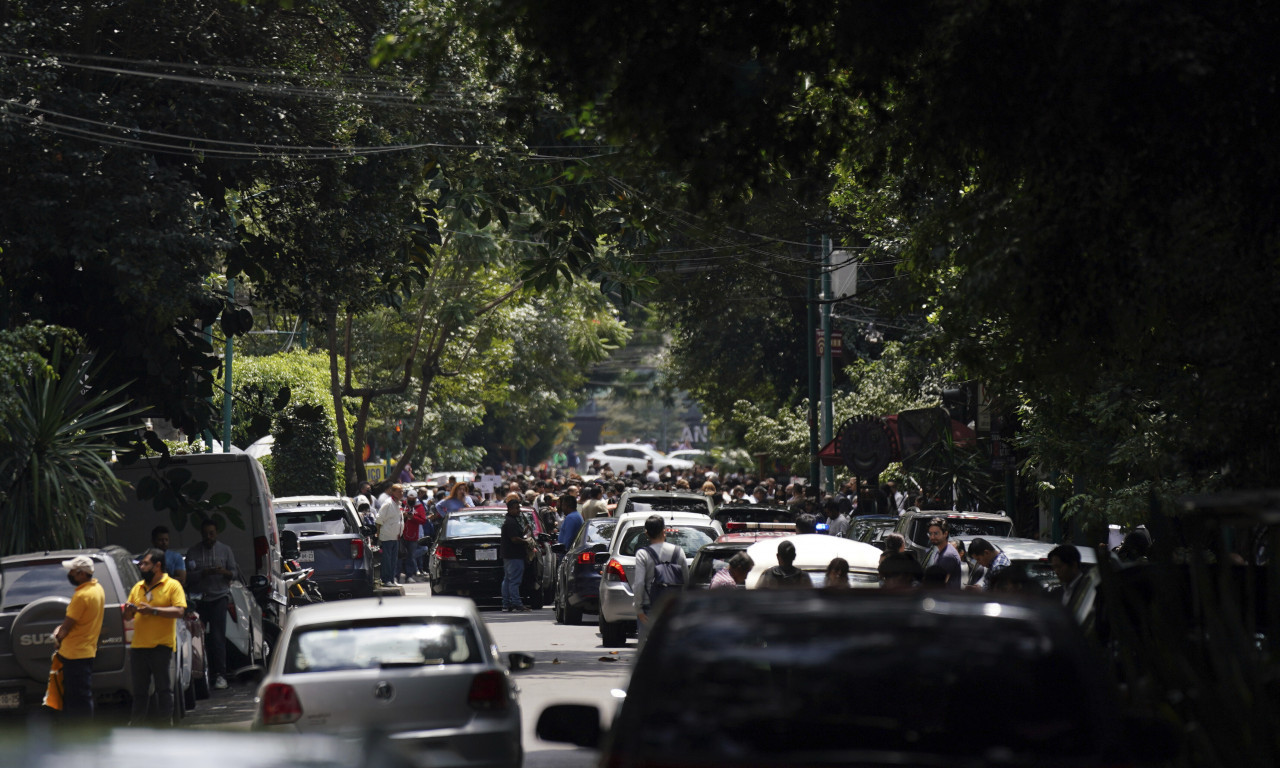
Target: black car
[
  {"x": 578, "y": 578},
  {"x": 812, "y": 678},
  {"x": 871, "y": 529},
  {"x": 742, "y": 512},
  {"x": 466, "y": 559}
]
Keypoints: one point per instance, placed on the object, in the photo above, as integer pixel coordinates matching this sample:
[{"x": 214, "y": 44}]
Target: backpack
[{"x": 668, "y": 578}]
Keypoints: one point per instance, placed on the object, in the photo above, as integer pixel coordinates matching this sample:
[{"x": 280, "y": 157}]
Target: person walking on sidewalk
[
  {"x": 390, "y": 523},
  {"x": 211, "y": 566}
]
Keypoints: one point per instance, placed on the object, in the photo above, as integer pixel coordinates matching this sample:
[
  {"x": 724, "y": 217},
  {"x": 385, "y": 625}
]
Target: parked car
[
  {"x": 863, "y": 678},
  {"x": 466, "y": 559},
  {"x": 617, "y": 617},
  {"x": 744, "y": 512},
  {"x": 578, "y": 577},
  {"x": 814, "y": 552},
  {"x": 329, "y": 541},
  {"x": 914, "y": 526},
  {"x": 694, "y": 455},
  {"x": 716, "y": 555},
  {"x": 619, "y": 456},
  {"x": 1033, "y": 556},
  {"x": 34, "y": 595},
  {"x": 423, "y": 671},
  {"x": 636, "y": 500},
  {"x": 871, "y": 529}
]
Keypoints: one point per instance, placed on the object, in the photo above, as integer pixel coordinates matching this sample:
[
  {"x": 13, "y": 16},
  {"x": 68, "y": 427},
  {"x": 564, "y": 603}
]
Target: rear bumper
[
  {"x": 584, "y": 593},
  {"x": 617, "y": 603},
  {"x": 469, "y": 580},
  {"x": 484, "y": 742}
]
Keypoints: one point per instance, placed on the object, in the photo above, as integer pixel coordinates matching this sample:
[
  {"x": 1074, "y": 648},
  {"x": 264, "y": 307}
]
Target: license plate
[
  {"x": 11, "y": 700},
  {"x": 486, "y": 554},
  {"x": 307, "y": 556}
]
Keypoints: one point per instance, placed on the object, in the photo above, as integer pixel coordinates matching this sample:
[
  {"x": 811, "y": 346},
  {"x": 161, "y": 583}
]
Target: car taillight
[
  {"x": 446, "y": 553},
  {"x": 488, "y": 691},
  {"x": 231, "y": 609},
  {"x": 280, "y": 705},
  {"x": 614, "y": 571},
  {"x": 587, "y": 558},
  {"x": 357, "y": 549}
]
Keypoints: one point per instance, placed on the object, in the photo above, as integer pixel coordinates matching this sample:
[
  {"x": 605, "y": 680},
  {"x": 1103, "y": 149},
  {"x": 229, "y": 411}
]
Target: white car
[
  {"x": 814, "y": 552},
  {"x": 619, "y": 456},
  {"x": 424, "y": 671},
  {"x": 617, "y": 617}
]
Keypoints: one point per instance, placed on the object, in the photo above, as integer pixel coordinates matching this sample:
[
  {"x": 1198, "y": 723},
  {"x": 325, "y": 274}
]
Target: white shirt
[{"x": 390, "y": 521}]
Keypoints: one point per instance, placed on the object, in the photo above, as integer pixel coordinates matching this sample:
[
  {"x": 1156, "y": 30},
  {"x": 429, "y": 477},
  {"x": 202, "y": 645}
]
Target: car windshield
[
  {"x": 375, "y": 643},
  {"x": 475, "y": 524},
  {"x": 24, "y": 583},
  {"x": 690, "y": 538},
  {"x": 314, "y": 522},
  {"x": 742, "y": 685},
  {"x": 961, "y": 528},
  {"x": 666, "y": 505}
]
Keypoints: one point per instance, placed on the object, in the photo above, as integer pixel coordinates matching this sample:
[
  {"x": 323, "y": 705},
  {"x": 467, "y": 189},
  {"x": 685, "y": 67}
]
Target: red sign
[{"x": 837, "y": 344}]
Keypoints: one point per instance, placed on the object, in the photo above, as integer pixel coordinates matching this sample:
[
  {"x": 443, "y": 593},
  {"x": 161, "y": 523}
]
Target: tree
[{"x": 55, "y": 446}]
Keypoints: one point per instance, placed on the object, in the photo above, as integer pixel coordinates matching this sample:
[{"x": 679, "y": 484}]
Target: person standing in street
[
  {"x": 514, "y": 550},
  {"x": 76, "y": 638},
  {"x": 785, "y": 575},
  {"x": 594, "y": 505},
  {"x": 942, "y": 554},
  {"x": 661, "y": 568},
  {"x": 390, "y": 522},
  {"x": 211, "y": 567},
  {"x": 174, "y": 564},
  {"x": 570, "y": 525},
  {"x": 155, "y": 605}
]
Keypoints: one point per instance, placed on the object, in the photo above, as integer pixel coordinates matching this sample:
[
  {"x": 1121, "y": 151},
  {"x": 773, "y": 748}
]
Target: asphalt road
[{"x": 570, "y": 666}]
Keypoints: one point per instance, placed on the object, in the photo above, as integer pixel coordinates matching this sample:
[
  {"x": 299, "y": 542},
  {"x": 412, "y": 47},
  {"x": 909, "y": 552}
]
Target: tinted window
[
  {"x": 597, "y": 533},
  {"x": 316, "y": 522},
  {"x": 738, "y": 685},
  {"x": 29, "y": 582},
  {"x": 479, "y": 524},
  {"x": 378, "y": 643},
  {"x": 689, "y": 538},
  {"x": 966, "y": 529}
]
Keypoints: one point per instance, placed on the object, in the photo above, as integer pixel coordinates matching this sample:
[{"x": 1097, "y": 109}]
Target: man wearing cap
[
  {"x": 155, "y": 605},
  {"x": 76, "y": 638}
]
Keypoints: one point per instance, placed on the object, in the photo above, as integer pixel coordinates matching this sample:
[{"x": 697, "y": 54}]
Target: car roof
[
  {"x": 97, "y": 553},
  {"x": 1032, "y": 549},
  {"x": 376, "y": 607},
  {"x": 668, "y": 515},
  {"x": 308, "y": 501},
  {"x": 750, "y": 537},
  {"x": 952, "y": 514}
]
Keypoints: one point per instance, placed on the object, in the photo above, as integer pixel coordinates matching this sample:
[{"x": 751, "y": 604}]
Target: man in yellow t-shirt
[
  {"x": 76, "y": 638},
  {"x": 155, "y": 605}
]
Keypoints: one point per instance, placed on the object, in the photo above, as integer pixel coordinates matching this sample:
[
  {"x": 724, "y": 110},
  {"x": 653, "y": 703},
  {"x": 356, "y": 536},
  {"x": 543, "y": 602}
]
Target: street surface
[{"x": 570, "y": 667}]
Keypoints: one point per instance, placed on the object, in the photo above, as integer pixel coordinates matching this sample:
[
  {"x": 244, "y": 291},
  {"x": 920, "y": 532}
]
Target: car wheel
[
  {"x": 201, "y": 684},
  {"x": 436, "y": 589},
  {"x": 572, "y": 616},
  {"x": 613, "y": 634},
  {"x": 189, "y": 696},
  {"x": 559, "y": 611}
]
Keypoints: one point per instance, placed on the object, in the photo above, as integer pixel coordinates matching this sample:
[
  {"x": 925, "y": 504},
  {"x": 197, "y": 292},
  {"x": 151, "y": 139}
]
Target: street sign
[{"x": 837, "y": 344}]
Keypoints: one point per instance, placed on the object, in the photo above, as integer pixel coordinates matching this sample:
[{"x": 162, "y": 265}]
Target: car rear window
[
  {"x": 382, "y": 642},
  {"x": 475, "y": 524},
  {"x": 690, "y": 538},
  {"x": 28, "y": 582},
  {"x": 741, "y": 684},
  {"x": 960, "y": 528},
  {"x": 667, "y": 505},
  {"x": 322, "y": 522}
]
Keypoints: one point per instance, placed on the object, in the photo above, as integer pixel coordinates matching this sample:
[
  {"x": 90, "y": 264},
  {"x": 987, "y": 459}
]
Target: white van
[{"x": 250, "y": 532}]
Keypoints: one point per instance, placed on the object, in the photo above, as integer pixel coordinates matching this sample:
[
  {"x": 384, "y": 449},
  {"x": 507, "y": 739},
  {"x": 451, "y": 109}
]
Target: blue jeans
[
  {"x": 409, "y": 556},
  {"x": 513, "y": 574},
  {"x": 390, "y": 560}
]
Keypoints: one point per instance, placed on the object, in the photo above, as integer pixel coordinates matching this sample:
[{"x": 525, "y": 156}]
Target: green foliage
[
  {"x": 303, "y": 458},
  {"x": 264, "y": 387},
  {"x": 183, "y": 496},
  {"x": 55, "y": 445}
]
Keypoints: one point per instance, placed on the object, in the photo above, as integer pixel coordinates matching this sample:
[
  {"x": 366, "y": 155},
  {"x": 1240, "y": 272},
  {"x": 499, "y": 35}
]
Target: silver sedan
[{"x": 423, "y": 671}]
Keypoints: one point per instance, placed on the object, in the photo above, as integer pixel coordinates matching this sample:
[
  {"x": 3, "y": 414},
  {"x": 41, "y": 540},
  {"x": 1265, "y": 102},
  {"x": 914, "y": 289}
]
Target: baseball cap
[
  {"x": 78, "y": 563},
  {"x": 412, "y": 494}
]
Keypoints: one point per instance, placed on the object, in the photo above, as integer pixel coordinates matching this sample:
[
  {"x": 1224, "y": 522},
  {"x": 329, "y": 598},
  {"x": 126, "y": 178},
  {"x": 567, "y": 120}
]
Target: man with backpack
[{"x": 661, "y": 570}]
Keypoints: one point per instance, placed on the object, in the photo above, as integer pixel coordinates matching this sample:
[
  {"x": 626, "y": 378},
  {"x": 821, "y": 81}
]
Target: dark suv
[
  {"x": 863, "y": 678},
  {"x": 914, "y": 526},
  {"x": 33, "y": 602}
]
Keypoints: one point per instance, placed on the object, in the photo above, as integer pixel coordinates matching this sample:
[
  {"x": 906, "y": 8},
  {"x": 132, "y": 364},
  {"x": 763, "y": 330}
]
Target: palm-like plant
[{"x": 55, "y": 454}]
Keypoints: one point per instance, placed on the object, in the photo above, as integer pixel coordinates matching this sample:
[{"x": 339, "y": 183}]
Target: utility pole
[
  {"x": 226, "y": 370},
  {"x": 812, "y": 311},
  {"x": 828, "y": 415}
]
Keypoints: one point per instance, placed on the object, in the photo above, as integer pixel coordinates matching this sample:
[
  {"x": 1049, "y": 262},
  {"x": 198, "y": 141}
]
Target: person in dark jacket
[
  {"x": 514, "y": 550},
  {"x": 785, "y": 575}
]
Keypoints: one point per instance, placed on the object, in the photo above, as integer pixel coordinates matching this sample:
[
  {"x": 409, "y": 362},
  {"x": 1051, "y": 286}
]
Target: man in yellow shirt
[
  {"x": 76, "y": 638},
  {"x": 155, "y": 605}
]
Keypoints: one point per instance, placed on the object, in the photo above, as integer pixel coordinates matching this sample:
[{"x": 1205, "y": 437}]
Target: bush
[{"x": 303, "y": 459}]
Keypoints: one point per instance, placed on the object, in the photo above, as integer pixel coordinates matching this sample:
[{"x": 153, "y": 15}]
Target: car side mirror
[
  {"x": 545, "y": 537},
  {"x": 602, "y": 558},
  {"x": 577, "y": 724},
  {"x": 519, "y": 661},
  {"x": 557, "y": 548}
]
